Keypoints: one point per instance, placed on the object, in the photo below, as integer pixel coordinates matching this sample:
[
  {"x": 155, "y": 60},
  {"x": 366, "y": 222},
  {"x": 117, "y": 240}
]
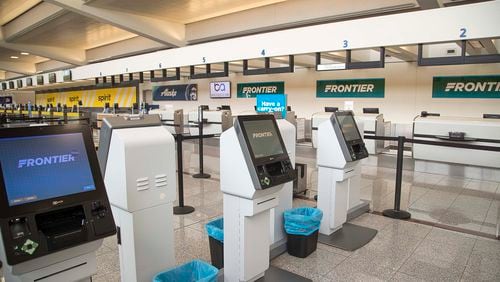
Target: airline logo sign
[
  {"x": 124, "y": 96},
  {"x": 181, "y": 92},
  {"x": 351, "y": 88},
  {"x": 483, "y": 87},
  {"x": 251, "y": 90}
]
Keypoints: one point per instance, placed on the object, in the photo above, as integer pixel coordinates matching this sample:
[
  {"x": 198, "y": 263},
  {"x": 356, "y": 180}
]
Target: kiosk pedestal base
[
  {"x": 273, "y": 274},
  {"x": 183, "y": 210},
  {"x": 349, "y": 238},
  {"x": 201, "y": 175}
]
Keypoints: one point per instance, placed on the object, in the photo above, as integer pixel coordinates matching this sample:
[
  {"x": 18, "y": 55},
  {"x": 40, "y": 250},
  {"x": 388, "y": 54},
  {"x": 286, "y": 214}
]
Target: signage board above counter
[
  {"x": 220, "y": 89},
  {"x": 251, "y": 90},
  {"x": 351, "y": 88},
  {"x": 480, "y": 86},
  {"x": 5, "y": 100},
  {"x": 91, "y": 97},
  {"x": 179, "y": 92}
]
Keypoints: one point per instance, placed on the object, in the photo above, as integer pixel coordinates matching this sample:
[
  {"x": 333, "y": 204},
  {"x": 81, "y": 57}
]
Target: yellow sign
[{"x": 124, "y": 96}]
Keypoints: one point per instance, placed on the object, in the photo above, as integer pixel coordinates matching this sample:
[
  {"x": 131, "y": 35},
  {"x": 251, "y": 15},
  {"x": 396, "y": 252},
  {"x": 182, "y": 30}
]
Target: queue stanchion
[
  {"x": 397, "y": 212},
  {"x": 181, "y": 208},
  {"x": 201, "y": 174}
]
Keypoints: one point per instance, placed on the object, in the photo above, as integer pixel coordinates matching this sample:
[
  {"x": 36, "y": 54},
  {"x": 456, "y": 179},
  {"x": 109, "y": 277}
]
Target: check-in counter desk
[
  {"x": 371, "y": 124},
  {"x": 478, "y": 131},
  {"x": 173, "y": 119},
  {"x": 216, "y": 122}
]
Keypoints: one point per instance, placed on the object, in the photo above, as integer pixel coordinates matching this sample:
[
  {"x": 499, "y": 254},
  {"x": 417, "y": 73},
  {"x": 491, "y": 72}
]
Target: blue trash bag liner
[
  {"x": 302, "y": 221},
  {"x": 215, "y": 229},
  {"x": 193, "y": 271}
]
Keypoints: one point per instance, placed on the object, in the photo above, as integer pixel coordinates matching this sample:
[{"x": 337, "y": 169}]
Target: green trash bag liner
[
  {"x": 193, "y": 271},
  {"x": 302, "y": 221},
  {"x": 215, "y": 229}
]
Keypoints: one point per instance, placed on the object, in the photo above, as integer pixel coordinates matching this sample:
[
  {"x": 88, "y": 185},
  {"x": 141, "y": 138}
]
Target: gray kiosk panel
[
  {"x": 350, "y": 140},
  {"x": 264, "y": 150}
]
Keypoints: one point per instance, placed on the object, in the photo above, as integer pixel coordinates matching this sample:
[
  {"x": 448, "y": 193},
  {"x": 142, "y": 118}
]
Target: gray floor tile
[
  {"x": 110, "y": 277},
  {"x": 451, "y": 237},
  {"x": 432, "y": 270},
  {"x": 108, "y": 263},
  {"x": 372, "y": 221},
  {"x": 373, "y": 267},
  {"x": 454, "y": 254},
  {"x": 405, "y": 229},
  {"x": 484, "y": 262},
  {"x": 315, "y": 265},
  {"x": 489, "y": 246},
  {"x": 399, "y": 276},
  {"x": 472, "y": 275}
]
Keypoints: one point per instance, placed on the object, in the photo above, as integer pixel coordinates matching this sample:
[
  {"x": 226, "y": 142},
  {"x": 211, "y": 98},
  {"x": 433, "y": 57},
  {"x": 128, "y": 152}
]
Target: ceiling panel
[
  {"x": 6, "y": 53},
  {"x": 10, "y": 9},
  {"x": 72, "y": 30},
  {"x": 182, "y": 11}
]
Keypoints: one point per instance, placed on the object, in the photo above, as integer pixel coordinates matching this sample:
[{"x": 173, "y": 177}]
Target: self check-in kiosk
[
  {"x": 254, "y": 166},
  {"x": 136, "y": 154},
  {"x": 54, "y": 211},
  {"x": 340, "y": 147}
]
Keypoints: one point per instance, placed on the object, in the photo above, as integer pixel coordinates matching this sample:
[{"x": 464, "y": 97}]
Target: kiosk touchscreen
[
  {"x": 340, "y": 147},
  {"x": 254, "y": 168},
  {"x": 53, "y": 205}
]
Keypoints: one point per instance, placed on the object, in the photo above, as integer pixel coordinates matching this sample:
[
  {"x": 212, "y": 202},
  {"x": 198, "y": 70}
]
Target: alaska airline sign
[
  {"x": 484, "y": 87},
  {"x": 251, "y": 90},
  {"x": 351, "y": 88}
]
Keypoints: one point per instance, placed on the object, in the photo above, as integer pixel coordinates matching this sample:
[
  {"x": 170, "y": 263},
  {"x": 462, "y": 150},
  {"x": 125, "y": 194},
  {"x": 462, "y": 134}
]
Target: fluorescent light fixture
[
  {"x": 14, "y": 57},
  {"x": 25, "y": 53},
  {"x": 327, "y": 67}
]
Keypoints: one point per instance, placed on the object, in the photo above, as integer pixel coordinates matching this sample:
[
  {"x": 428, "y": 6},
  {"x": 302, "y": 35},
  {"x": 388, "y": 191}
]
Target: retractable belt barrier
[{"x": 396, "y": 212}]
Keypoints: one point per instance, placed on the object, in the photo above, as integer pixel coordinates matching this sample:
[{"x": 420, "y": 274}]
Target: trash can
[
  {"x": 193, "y": 271},
  {"x": 302, "y": 225},
  {"x": 300, "y": 183},
  {"x": 215, "y": 230}
]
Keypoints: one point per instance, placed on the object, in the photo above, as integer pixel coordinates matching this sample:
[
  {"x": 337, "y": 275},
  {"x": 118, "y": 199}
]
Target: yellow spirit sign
[{"x": 124, "y": 96}]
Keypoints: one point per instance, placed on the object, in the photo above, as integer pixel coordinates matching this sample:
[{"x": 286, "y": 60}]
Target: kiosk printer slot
[
  {"x": 136, "y": 155},
  {"x": 54, "y": 211},
  {"x": 340, "y": 147},
  {"x": 254, "y": 166}
]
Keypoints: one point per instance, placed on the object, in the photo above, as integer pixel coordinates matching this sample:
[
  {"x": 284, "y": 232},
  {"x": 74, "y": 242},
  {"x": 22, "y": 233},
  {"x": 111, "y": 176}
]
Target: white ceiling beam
[
  {"x": 52, "y": 65},
  {"x": 297, "y": 62},
  {"x": 169, "y": 33},
  {"x": 18, "y": 67},
  {"x": 2, "y": 74},
  {"x": 31, "y": 19},
  {"x": 127, "y": 47},
  {"x": 481, "y": 20},
  {"x": 19, "y": 8}
]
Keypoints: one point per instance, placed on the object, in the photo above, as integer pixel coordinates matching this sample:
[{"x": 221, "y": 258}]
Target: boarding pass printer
[{"x": 54, "y": 211}]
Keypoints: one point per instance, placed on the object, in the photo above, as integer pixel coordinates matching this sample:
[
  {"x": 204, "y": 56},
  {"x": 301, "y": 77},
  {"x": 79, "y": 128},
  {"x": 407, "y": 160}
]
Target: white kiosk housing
[
  {"x": 137, "y": 159},
  {"x": 254, "y": 165},
  {"x": 340, "y": 147}
]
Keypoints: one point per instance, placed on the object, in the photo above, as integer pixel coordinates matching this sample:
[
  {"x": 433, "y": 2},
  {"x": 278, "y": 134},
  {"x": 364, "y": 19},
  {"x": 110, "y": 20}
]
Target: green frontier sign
[
  {"x": 251, "y": 90},
  {"x": 484, "y": 86},
  {"x": 351, "y": 88}
]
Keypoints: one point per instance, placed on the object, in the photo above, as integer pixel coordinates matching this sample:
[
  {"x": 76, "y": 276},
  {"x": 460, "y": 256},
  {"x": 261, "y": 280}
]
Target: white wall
[
  {"x": 20, "y": 97},
  {"x": 408, "y": 91}
]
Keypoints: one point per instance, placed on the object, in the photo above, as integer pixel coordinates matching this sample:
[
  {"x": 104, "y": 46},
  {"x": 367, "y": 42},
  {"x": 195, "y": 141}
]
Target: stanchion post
[
  {"x": 201, "y": 174},
  {"x": 397, "y": 212}
]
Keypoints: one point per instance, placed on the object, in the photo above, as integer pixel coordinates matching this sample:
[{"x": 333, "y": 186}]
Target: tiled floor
[{"x": 401, "y": 251}]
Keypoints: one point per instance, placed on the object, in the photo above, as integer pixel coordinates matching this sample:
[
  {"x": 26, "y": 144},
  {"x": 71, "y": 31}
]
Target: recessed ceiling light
[
  {"x": 25, "y": 53},
  {"x": 14, "y": 57}
]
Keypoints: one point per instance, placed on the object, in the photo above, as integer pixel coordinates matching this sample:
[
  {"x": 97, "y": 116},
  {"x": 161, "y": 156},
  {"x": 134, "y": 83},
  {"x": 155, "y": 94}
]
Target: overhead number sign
[
  {"x": 483, "y": 87},
  {"x": 351, "y": 88},
  {"x": 180, "y": 92},
  {"x": 251, "y": 90},
  {"x": 124, "y": 96}
]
